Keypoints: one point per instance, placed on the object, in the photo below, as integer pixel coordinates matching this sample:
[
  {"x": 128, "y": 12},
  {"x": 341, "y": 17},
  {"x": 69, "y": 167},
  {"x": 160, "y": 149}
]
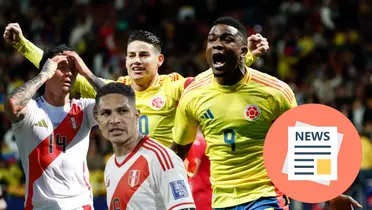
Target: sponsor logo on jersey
[
  {"x": 41, "y": 123},
  {"x": 252, "y": 112},
  {"x": 207, "y": 115},
  {"x": 133, "y": 177},
  {"x": 157, "y": 102},
  {"x": 179, "y": 189}
]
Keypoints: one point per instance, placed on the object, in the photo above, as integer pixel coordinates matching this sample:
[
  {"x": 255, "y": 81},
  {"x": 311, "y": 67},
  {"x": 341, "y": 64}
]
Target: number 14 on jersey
[{"x": 57, "y": 143}]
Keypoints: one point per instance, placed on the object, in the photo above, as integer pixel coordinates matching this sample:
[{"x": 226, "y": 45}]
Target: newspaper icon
[{"x": 313, "y": 160}]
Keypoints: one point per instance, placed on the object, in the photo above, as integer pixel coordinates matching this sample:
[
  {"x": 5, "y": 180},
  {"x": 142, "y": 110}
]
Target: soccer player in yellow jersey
[
  {"x": 234, "y": 106},
  {"x": 157, "y": 95}
]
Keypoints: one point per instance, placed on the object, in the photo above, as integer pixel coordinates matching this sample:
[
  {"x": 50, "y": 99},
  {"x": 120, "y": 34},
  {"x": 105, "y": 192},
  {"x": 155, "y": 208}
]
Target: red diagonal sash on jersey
[
  {"x": 129, "y": 184},
  {"x": 40, "y": 158}
]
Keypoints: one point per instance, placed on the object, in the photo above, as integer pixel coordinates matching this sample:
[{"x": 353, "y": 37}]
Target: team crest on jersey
[
  {"x": 157, "y": 102},
  {"x": 252, "y": 112},
  {"x": 133, "y": 177}
]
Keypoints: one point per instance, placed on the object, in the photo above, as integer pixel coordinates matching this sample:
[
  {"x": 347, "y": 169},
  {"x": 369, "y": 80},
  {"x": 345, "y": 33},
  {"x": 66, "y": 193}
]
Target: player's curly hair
[
  {"x": 227, "y": 20},
  {"x": 145, "y": 36},
  {"x": 57, "y": 50},
  {"x": 116, "y": 88}
]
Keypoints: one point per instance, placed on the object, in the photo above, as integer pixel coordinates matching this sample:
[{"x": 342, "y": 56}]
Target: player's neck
[
  {"x": 232, "y": 78},
  {"x": 55, "y": 99},
  {"x": 121, "y": 149},
  {"x": 144, "y": 86}
]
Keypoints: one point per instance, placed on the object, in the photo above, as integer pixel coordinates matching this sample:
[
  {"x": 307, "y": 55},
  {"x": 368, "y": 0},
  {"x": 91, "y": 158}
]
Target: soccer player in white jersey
[
  {"x": 141, "y": 174},
  {"x": 52, "y": 134}
]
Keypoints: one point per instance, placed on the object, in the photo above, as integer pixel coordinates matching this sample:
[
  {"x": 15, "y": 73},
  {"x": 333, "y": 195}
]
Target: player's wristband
[
  {"x": 20, "y": 43},
  {"x": 49, "y": 68}
]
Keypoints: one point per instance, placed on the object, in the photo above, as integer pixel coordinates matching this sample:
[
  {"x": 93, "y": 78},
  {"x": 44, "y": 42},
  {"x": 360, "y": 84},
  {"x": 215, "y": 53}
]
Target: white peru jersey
[
  {"x": 53, "y": 144},
  {"x": 151, "y": 177}
]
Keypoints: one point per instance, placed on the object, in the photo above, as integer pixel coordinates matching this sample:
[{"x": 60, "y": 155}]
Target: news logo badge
[
  {"x": 312, "y": 153},
  {"x": 307, "y": 153}
]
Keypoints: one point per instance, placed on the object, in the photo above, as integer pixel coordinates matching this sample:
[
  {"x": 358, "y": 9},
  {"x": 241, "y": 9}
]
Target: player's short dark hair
[
  {"x": 116, "y": 88},
  {"x": 57, "y": 50},
  {"x": 227, "y": 20},
  {"x": 145, "y": 36}
]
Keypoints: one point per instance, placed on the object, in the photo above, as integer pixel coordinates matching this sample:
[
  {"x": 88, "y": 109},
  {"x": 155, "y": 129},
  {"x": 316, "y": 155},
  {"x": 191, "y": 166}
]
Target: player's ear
[
  {"x": 160, "y": 60},
  {"x": 95, "y": 113},
  {"x": 138, "y": 113},
  {"x": 244, "y": 51}
]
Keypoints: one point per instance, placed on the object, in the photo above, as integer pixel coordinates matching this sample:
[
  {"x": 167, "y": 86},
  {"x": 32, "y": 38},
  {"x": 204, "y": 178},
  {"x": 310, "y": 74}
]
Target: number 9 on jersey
[{"x": 229, "y": 138}]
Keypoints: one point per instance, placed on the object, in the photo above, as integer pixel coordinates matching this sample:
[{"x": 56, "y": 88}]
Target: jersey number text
[
  {"x": 229, "y": 138},
  {"x": 59, "y": 141},
  {"x": 143, "y": 125}
]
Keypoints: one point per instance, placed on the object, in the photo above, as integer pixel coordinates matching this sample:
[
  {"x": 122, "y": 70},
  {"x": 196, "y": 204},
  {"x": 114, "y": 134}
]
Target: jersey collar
[
  {"x": 237, "y": 86},
  {"x": 130, "y": 155}
]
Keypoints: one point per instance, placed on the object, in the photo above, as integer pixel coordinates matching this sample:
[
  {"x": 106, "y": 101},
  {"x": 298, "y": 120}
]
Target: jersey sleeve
[
  {"x": 177, "y": 87},
  {"x": 185, "y": 123},
  {"x": 83, "y": 87},
  {"x": 173, "y": 185},
  {"x": 283, "y": 100},
  {"x": 88, "y": 109},
  {"x": 30, "y": 51},
  {"x": 249, "y": 59},
  {"x": 30, "y": 117}
]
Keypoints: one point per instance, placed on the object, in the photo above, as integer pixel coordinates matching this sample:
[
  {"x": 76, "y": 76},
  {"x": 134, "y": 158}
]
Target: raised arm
[
  {"x": 84, "y": 71},
  {"x": 14, "y": 36},
  {"x": 18, "y": 99},
  {"x": 257, "y": 45}
]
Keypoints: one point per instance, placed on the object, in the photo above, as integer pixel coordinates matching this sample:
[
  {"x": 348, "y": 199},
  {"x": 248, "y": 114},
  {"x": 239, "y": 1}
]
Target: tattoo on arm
[
  {"x": 96, "y": 82},
  {"x": 20, "y": 97}
]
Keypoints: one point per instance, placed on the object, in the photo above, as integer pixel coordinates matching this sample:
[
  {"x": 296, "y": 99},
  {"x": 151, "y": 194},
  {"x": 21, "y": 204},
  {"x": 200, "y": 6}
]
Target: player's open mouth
[{"x": 219, "y": 60}]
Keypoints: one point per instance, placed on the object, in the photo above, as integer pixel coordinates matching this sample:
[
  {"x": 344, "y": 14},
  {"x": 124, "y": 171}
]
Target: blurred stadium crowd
[{"x": 322, "y": 48}]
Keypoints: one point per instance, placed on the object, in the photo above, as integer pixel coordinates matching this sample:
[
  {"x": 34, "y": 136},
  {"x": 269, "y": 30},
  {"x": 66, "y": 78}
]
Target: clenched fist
[
  {"x": 258, "y": 45},
  {"x": 13, "y": 33}
]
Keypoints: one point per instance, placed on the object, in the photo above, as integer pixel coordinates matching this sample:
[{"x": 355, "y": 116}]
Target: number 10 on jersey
[{"x": 143, "y": 125}]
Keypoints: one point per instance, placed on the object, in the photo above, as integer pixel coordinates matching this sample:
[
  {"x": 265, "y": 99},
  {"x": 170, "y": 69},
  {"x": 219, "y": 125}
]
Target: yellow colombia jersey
[
  {"x": 158, "y": 106},
  {"x": 234, "y": 121}
]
